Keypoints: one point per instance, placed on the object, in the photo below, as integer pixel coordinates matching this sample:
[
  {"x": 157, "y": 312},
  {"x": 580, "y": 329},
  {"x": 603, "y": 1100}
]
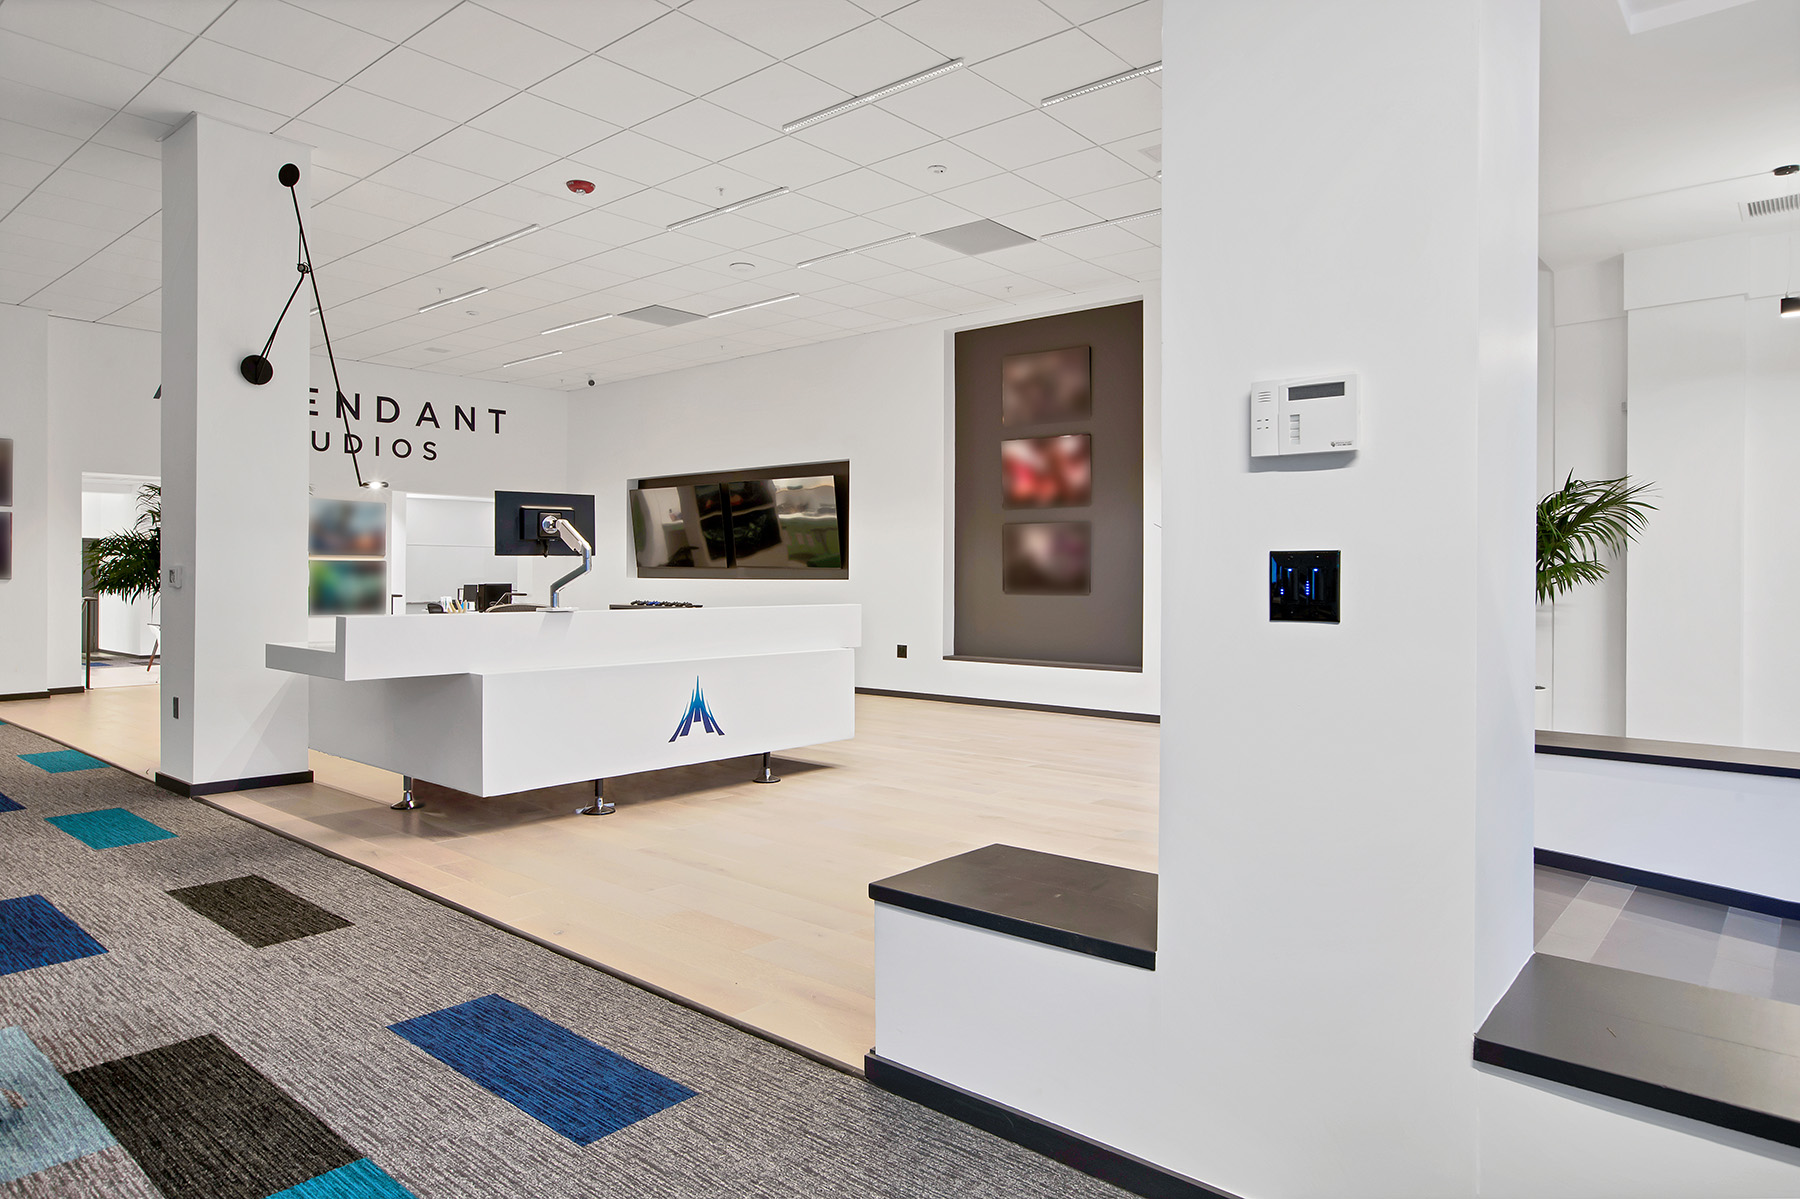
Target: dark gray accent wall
[{"x": 1106, "y": 626}]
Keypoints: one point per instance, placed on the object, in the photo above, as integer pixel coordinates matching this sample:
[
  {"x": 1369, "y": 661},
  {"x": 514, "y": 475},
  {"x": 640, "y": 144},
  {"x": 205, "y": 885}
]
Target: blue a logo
[{"x": 697, "y": 714}]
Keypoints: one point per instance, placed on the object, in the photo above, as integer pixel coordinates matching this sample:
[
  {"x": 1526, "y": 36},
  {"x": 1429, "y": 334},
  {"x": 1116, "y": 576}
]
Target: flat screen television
[
  {"x": 782, "y": 522},
  {"x": 516, "y": 529}
]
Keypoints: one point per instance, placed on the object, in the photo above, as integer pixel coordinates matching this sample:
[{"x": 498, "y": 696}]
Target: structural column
[
  {"x": 24, "y": 420},
  {"x": 234, "y": 460}
]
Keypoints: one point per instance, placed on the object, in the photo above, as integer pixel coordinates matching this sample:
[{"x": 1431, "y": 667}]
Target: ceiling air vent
[{"x": 1774, "y": 207}]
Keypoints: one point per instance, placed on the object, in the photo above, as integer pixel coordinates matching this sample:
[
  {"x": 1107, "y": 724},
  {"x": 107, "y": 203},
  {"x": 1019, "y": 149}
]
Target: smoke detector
[{"x": 581, "y": 187}]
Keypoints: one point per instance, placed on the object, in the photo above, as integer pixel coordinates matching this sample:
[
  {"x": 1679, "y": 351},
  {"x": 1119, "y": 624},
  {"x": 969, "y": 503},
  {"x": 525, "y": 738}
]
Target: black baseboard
[
  {"x": 25, "y": 695},
  {"x": 1730, "y": 897},
  {"x": 196, "y": 790},
  {"x": 67, "y": 690},
  {"x": 1145, "y": 717},
  {"x": 1121, "y": 1169}
]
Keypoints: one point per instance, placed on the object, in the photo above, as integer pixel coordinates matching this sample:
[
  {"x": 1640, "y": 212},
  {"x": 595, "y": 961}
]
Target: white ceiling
[
  {"x": 1655, "y": 137},
  {"x": 440, "y": 124}
]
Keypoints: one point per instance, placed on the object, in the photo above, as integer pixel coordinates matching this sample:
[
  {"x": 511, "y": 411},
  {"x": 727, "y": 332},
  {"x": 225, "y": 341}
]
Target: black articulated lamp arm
[{"x": 256, "y": 368}]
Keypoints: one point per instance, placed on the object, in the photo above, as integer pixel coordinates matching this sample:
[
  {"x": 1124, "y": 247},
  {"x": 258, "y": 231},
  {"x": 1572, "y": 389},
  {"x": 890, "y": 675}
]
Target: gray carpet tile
[
  {"x": 257, "y": 911},
  {"x": 311, "y": 1015}
]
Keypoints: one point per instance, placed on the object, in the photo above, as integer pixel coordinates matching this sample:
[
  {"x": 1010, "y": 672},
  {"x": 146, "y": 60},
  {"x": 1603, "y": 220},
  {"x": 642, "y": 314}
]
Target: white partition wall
[
  {"x": 234, "y": 459},
  {"x": 24, "y": 419}
]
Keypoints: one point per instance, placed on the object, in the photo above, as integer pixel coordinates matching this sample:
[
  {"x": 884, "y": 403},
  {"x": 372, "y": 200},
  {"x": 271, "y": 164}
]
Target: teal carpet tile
[{"x": 109, "y": 828}]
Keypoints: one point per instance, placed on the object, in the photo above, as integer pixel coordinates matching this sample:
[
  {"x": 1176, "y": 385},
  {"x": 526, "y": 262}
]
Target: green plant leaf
[
  {"x": 1580, "y": 521},
  {"x": 128, "y": 563}
]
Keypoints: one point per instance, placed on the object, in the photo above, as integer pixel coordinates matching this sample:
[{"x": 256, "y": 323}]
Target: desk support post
[
  {"x": 601, "y": 805},
  {"x": 407, "y": 802},
  {"x": 768, "y": 775}
]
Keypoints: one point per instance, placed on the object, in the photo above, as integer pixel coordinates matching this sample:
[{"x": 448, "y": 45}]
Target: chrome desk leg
[
  {"x": 407, "y": 802},
  {"x": 601, "y": 805},
  {"x": 768, "y": 775}
]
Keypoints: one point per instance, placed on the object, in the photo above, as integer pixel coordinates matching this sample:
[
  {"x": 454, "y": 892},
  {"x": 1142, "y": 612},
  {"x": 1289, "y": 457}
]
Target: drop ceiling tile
[
  {"x": 485, "y": 153},
  {"x": 139, "y": 134},
  {"x": 607, "y": 90},
  {"x": 11, "y": 194},
  {"x": 112, "y": 221},
  {"x": 713, "y": 185},
  {"x": 609, "y": 228},
  {"x": 354, "y": 223},
  {"x": 534, "y": 121},
  {"x": 47, "y": 110},
  {"x": 862, "y": 190},
  {"x": 789, "y": 162},
  {"x": 1014, "y": 288},
  {"x": 681, "y": 51},
  {"x": 796, "y": 213},
  {"x": 924, "y": 215},
  {"x": 707, "y": 130},
  {"x": 857, "y": 231},
  {"x": 67, "y": 73},
  {"x": 912, "y": 254},
  {"x": 380, "y": 199},
  {"x": 1081, "y": 11},
  {"x": 902, "y": 309},
  {"x": 795, "y": 248},
  {"x": 914, "y": 168},
  {"x": 111, "y": 34},
  {"x": 50, "y": 229},
  {"x": 905, "y": 283},
  {"x": 1028, "y": 257},
  {"x": 735, "y": 231},
  {"x": 955, "y": 103},
  {"x": 631, "y": 155},
  {"x": 782, "y": 28},
  {"x": 247, "y": 78},
  {"x": 168, "y": 102},
  {"x": 341, "y": 152},
  {"x": 655, "y": 207},
  {"x": 849, "y": 295},
  {"x": 587, "y": 25},
  {"x": 678, "y": 248},
  {"x": 1085, "y": 171},
  {"x": 481, "y": 40},
  {"x": 1125, "y": 200},
  {"x": 528, "y": 206},
  {"x": 852, "y": 268},
  {"x": 1049, "y": 218},
  {"x": 956, "y": 299},
  {"x": 867, "y": 58},
  {"x": 22, "y": 172},
  {"x": 865, "y": 135},
  {"x": 963, "y": 271},
  {"x": 36, "y": 145},
  {"x": 122, "y": 165},
  {"x": 1136, "y": 264},
  {"x": 304, "y": 39},
  {"x": 359, "y": 113},
  {"x": 395, "y": 20},
  {"x": 1134, "y": 34},
  {"x": 1115, "y": 112},
  {"x": 436, "y": 180},
  {"x": 1098, "y": 243},
  {"x": 958, "y": 29},
  {"x": 18, "y": 286},
  {"x": 996, "y": 195},
  {"x": 421, "y": 81},
  {"x": 1021, "y": 141},
  {"x": 1056, "y": 64},
  {"x": 778, "y": 94}
]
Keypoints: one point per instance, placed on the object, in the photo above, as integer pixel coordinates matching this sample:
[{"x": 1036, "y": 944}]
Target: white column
[
  {"x": 234, "y": 457},
  {"x": 24, "y": 419},
  {"x": 1346, "y": 809}
]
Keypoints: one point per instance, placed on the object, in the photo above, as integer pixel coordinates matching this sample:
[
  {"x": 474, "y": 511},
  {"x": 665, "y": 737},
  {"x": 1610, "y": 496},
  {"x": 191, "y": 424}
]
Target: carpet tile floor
[{"x": 216, "y": 1012}]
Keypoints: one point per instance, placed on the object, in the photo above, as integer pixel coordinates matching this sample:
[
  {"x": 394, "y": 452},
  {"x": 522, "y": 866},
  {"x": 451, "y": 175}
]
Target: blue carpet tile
[
  {"x": 361, "y": 1179},
  {"x": 8, "y": 804},
  {"x": 54, "y": 1126},
  {"x": 109, "y": 828},
  {"x": 33, "y": 933},
  {"x": 557, "y": 1077},
  {"x": 62, "y": 761}
]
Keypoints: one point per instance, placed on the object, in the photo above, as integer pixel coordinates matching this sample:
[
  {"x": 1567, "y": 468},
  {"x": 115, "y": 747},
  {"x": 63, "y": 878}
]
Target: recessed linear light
[
  {"x": 533, "y": 358},
  {"x": 792, "y": 295},
  {"x": 880, "y": 93},
  {"x": 1096, "y": 85},
  {"x": 498, "y": 241},
  {"x": 1118, "y": 220},
  {"x": 454, "y": 299},
  {"x": 578, "y": 324},
  {"x": 874, "y": 245},
  {"x": 722, "y": 209}
]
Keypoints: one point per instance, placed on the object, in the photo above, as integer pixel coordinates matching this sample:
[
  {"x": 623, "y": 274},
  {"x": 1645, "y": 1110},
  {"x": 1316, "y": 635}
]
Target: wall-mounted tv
[{"x": 775, "y": 522}]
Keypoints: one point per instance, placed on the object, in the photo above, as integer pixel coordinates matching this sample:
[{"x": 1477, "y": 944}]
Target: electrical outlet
[{"x": 899, "y": 651}]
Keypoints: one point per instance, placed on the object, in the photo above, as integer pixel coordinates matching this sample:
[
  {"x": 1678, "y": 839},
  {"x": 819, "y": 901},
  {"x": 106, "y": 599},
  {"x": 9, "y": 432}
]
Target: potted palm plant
[
  {"x": 128, "y": 563},
  {"x": 1579, "y": 521}
]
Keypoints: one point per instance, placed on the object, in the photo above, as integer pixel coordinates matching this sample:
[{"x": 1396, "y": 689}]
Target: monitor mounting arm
[{"x": 571, "y": 537}]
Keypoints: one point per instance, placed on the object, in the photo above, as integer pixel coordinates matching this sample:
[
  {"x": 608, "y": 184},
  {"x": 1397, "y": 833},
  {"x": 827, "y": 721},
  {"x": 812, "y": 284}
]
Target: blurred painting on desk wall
[
  {"x": 348, "y": 529},
  {"x": 1047, "y": 386},
  {"x": 5, "y": 546},
  {"x": 347, "y": 587},
  {"x": 6, "y": 457}
]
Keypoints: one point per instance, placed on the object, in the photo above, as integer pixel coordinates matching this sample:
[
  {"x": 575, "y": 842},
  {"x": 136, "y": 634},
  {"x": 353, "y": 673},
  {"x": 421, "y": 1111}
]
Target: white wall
[
  {"x": 24, "y": 418},
  {"x": 882, "y": 401},
  {"x": 449, "y": 542}
]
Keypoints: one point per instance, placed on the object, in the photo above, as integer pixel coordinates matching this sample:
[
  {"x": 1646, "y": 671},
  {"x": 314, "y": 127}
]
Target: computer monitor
[{"x": 518, "y": 528}]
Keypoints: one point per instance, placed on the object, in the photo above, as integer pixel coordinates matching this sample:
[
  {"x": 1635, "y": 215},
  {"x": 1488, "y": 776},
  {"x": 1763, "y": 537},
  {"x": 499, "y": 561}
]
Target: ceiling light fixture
[
  {"x": 533, "y": 358},
  {"x": 874, "y": 245},
  {"x": 722, "y": 209},
  {"x": 1096, "y": 85},
  {"x": 498, "y": 241},
  {"x": 792, "y": 295},
  {"x": 880, "y": 93},
  {"x": 454, "y": 299},
  {"x": 578, "y": 324},
  {"x": 1118, "y": 220}
]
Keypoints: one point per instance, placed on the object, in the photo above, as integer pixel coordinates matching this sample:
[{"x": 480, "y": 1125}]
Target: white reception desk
[{"x": 495, "y": 703}]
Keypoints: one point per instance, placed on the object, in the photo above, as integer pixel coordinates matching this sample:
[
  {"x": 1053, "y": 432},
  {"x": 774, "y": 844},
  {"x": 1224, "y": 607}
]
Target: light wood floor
[{"x": 752, "y": 900}]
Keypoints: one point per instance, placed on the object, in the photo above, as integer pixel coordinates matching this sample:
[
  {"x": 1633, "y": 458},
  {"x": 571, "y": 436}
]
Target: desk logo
[{"x": 697, "y": 714}]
